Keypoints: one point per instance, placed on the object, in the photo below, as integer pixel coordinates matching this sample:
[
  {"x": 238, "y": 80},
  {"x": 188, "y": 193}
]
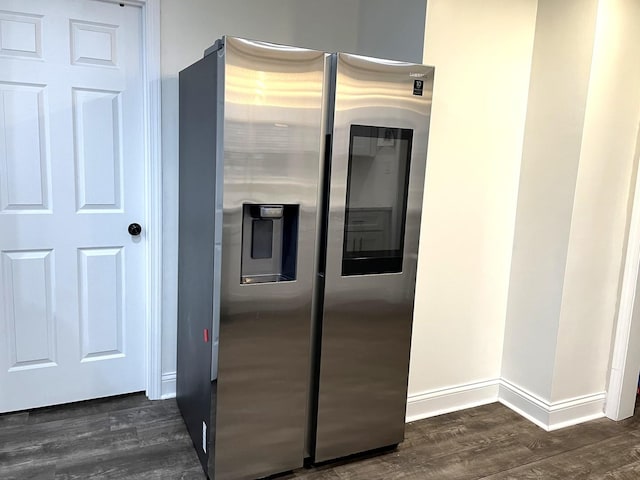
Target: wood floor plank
[
  {"x": 170, "y": 430},
  {"x": 87, "y": 408},
  {"x": 626, "y": 472},
  {"x": 30, "y": 471},
  {"x": 589, "y": 462},
  {"x": 473, "y": 463},
  {"x": 143, "y": 463},
  {"x": 13, "y": 419},
  {"x": 143, "y": 416},
  {"x": 436, "y": 437},
  {"x": 20, "y": 436},
  {"x": 316, "y": 475},
  {"x": 51, "y": 452},
  {"x": 311, "y": 473}
]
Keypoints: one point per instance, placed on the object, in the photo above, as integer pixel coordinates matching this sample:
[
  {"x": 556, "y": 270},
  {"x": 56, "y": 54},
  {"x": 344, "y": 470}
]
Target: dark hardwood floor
[{"x": 130, "y": 437}]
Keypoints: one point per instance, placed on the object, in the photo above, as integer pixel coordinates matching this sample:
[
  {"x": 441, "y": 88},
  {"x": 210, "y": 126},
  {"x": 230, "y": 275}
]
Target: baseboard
[
  {"x": 554, "y": 415},
  {"x": 168, "y": 385},
  {"x": 451, "y": 399},
  {"x": 524, "y": 403},
  {"x": 549, "y": 416}
]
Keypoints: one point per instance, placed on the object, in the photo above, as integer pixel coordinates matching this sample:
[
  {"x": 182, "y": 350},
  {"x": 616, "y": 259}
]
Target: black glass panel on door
[{"x": 376, "y": 206}]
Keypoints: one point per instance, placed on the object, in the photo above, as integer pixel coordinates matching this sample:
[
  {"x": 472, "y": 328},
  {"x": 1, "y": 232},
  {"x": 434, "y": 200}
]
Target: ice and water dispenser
[{"x": 269, "y": 243}]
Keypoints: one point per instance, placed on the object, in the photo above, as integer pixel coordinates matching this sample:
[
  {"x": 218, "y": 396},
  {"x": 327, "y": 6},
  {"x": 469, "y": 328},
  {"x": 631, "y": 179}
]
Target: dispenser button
[{"x": 271, "y": 211}]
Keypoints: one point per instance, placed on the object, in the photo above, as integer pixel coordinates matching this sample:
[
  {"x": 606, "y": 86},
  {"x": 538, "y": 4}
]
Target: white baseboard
[
  {"x": 549, "y": 416},
  {"x": 451, "y": 399},
  {"x": 555, "y": 415},
  {"x": 168, "y": 385},
  {"x": 525, "y": 404}
]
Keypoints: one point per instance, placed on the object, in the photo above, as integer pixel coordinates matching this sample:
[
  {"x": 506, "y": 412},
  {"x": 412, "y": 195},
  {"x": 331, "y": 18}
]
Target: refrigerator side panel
[
  {"x": 380, "y": 134},
  {"x": 272, "y": 154},
  {"x": 197, "y": 172}
]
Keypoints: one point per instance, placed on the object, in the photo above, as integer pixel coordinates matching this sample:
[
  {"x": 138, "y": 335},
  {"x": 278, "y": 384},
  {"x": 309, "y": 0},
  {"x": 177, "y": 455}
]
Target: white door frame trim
[
  {"x": 153, "y": 190},
  {"x": 153, "y": 164},
  {"x": 623, "y": 384}
]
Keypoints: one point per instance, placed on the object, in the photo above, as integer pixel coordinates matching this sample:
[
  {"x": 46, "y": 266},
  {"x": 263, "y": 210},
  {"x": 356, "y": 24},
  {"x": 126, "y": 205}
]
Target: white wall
[
  {"x": 190, "y": 26},
  {"x": 482, "y": 54},
  {"x": 557, "y": 100},
  {"x": 600, "y": 214},
  {"x": 571, "y": 228}
]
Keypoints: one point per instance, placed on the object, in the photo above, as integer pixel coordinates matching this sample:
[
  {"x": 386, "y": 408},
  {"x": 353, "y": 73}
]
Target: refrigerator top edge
[
  {"x": 221, "y": 43},
  {"x": 355, "y": 58},
  {"x": 249, "y": 44}
]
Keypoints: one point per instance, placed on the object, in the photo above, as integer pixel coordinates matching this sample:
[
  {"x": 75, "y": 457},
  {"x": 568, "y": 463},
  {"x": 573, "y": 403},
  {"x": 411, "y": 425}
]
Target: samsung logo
[{"x": 418, "y": 75}]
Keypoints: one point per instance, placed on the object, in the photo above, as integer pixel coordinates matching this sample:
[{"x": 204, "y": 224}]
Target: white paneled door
[{"x": 72, "y": 180}]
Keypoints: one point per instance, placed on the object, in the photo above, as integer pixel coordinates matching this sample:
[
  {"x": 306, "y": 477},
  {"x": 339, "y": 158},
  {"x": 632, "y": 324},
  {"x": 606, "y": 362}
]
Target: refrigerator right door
[{"x": 380, "y": 135}]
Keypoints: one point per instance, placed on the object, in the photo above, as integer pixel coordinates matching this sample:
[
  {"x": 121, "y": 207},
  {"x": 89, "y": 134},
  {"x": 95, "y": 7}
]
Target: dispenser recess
[{"x": 269, "y": 243}]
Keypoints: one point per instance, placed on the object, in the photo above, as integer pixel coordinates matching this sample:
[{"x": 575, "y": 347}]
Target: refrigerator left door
[
  {"x": 273, "y": 132},
  {"x": 197, "y": 183}
]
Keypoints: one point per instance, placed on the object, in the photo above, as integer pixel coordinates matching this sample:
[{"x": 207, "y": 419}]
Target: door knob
[{"x": 135, "y": 229}]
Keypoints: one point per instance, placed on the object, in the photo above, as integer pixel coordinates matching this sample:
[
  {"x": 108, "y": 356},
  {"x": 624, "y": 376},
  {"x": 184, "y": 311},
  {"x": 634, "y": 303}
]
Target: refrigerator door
[
  {"x": 380, "y": 134},
  {"x": 273, "y": 134}
]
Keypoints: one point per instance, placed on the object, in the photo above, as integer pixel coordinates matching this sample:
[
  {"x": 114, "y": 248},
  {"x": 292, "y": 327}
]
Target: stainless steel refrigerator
[{"x": 301, "y": 179}]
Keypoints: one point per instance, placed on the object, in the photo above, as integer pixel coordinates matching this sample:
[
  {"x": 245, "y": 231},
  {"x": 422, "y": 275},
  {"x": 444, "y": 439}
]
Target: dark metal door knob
[{"x": 135, "y": 229}]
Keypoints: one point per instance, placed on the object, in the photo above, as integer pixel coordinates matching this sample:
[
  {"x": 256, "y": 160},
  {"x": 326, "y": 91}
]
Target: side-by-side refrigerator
[{"x": 301, "y": 180}]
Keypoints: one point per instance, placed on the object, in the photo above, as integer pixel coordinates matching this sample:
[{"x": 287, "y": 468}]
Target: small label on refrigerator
[
  {"x": 204, "y": 437},
  {"x": 418, "y": 86}
]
